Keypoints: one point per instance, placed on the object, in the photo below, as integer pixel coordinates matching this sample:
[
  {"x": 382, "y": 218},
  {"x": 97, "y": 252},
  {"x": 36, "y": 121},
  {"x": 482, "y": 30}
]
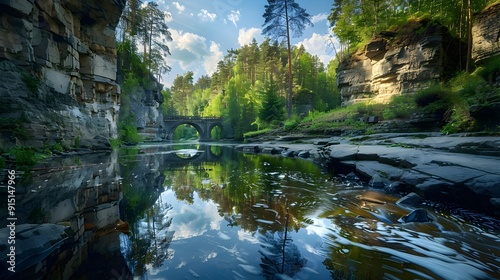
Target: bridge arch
[{"x": 203, "y": 125}]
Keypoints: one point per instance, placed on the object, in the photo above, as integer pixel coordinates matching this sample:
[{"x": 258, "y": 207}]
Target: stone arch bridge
[{"x": 203, "y": 125}]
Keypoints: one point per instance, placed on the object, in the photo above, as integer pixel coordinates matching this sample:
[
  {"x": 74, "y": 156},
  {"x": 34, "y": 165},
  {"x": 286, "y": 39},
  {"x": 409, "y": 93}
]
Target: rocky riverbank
[{"x": 460, "y": 169}]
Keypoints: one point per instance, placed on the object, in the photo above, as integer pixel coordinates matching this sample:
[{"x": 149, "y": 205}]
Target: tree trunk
[
  {"x": 469, "y": 37},
  {"x": 290, "y": 81}
]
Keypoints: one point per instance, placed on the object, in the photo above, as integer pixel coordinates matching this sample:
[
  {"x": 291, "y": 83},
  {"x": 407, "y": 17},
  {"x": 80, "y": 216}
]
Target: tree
[
  {"x": 272, "y": 105},
  {"x": 281, "y": 17},
  {"x": 154, "y": 33}
]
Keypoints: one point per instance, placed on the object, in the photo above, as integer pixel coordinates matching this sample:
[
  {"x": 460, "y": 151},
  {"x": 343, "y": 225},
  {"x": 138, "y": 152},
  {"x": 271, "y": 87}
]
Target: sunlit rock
[
  {"x": 58, "y": 74},
  {"x": 393, "y": 64},
  {"x": 485, "y": 34}
]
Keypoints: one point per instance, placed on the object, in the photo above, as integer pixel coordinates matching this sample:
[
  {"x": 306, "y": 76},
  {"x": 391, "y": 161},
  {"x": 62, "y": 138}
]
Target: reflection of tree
[
  {"x": 248, "y": 190},
  {"x": 279, "y": 255},
  {"x": 150, "y": 239}
]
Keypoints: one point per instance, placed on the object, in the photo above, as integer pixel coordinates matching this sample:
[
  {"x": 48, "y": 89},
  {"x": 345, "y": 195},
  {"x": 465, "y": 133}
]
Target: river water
[{"x": 210, "y": 212}]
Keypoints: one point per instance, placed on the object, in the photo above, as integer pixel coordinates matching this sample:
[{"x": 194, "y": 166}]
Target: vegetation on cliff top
[{"x": 240, "y": 89}]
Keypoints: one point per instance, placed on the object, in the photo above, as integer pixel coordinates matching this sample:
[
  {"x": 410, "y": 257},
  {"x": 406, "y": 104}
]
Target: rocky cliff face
[
  {"x": 144, "y": 106},
  {"x": 486, "y": 36},
  {"x": 398, "y": 62},
  {"x": 58, "y": 72}
]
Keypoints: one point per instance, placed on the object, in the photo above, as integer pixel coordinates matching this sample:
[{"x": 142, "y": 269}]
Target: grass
[{"x": 256, "y": 133}]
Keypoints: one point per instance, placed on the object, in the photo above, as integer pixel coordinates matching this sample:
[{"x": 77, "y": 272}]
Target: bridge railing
[{"x": 191, "y": 118}]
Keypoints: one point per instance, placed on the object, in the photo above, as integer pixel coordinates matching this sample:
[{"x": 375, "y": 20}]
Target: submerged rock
[{"x": 418, "y": 215}]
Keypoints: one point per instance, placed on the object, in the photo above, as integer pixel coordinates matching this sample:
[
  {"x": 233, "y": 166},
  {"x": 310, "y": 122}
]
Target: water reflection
[{"x": 210, "y": 212}]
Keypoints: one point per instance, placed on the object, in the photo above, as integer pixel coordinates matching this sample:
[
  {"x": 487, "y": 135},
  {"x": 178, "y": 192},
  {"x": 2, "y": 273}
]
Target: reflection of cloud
[
  {"x": 247, "y": 236},
  {"x": 190, "y": 220},
  {"x": 212, "y": 255},
  {"x": 245, "y": 36},
  {"x": 319, "y": 227},
  {"x": 204, "y": 15},
  {"x": 181, "y": 265},
  {"x": 234, "y": 17}
]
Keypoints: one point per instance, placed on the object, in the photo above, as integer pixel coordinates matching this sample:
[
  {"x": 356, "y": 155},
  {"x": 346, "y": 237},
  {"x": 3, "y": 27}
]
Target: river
[{"x": 199, "y": 211}]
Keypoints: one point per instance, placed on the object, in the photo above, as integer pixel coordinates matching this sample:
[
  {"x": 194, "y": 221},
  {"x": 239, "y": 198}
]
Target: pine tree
[{"x": 280, "y": 18}]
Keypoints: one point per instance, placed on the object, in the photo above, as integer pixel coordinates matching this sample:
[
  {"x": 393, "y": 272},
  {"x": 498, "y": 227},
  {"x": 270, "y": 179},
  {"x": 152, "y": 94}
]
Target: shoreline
[{"x": 459, "y": 169}]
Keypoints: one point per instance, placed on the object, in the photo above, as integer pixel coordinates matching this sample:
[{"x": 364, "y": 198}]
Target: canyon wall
[
  {"x": 58, "y": 72},
  {"x": 486, "y": 37},
  {"x": 399, "y": 62}
]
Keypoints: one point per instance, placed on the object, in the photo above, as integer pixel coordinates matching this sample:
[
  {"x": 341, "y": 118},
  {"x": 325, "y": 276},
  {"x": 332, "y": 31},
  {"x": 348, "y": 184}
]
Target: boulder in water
[
  {"x": 418, "y": 215},
  {"x": 411, "y": 199}
]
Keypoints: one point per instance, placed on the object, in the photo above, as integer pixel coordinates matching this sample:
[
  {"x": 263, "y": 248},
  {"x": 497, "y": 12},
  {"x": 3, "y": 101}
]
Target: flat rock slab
[
  {"x": 370, "y": 168},
  {"x": 455, "y": 174}
]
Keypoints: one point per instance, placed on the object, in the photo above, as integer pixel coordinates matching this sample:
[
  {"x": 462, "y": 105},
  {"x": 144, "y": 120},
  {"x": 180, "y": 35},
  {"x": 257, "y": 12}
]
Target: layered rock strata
[
  {"x": 58, "y": 72},
  {"x": 398, "y": 62},
  {"x": 486, "y": 34}
]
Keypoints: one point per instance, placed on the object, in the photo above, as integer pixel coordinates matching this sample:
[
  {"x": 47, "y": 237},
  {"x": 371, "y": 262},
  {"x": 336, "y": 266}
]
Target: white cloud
[
  {"x": 319, "y": 17},
  {"x": 317, "y": 45},
  {"x": 179, "y": 7},
  {"x": 245, "y": 36},
  {"x": 234, "y": 17},
  {"x": 188, "y": 49},
  {"x": 204, "y": 15},
  {"x": 195, "y": 53},
  {"x": 211, "y": 60}
]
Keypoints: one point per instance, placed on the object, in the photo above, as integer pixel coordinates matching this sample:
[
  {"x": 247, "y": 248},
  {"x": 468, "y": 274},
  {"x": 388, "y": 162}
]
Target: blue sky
[{"x": 204, "y": 30}]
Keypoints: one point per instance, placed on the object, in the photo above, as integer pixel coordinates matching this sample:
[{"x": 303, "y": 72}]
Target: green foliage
[
  {"x": 2, "y": 162},
  {"x": 488, "y": 68},
  {"x": 400, "y": 107},
  {"x": 115, "y": 143},
  {"x": 76, "y": 142},
  {"x": 25, "y": 156},
  {"x": 291, "y": 123},
  {"x": 128, "y": 131},
  {"x": 187, "y": 132},
  {"x": 434, "y": 99},
  {"x": 256, "y": 133},
  {"x": 459, "y": 120},
  {"x": 58, "y": 147},
  {"x": 32, "y": 82},
  {"x": 272, "y": 104}
]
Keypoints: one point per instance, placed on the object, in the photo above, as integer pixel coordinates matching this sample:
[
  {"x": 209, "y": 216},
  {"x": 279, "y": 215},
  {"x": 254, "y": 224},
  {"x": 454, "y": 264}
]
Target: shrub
[
  {"x": 33, "y": 83},
  {"x": 400, "y": 107},
  {"x": 488, "y": 68},
  {"x": 459, "y": 119},
  {"x": 256, "y": 133},
  {"x": 115, "y": 143},
  {"x": 434, "y": 99},
  {"x": 24, "y": 156}
]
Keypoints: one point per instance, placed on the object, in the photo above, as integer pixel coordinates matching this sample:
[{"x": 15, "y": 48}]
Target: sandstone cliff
[
  {"x": 58, "y": 72},
  {"x": 486, "y": 36},
  {"x": 398, "y": 62}
]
